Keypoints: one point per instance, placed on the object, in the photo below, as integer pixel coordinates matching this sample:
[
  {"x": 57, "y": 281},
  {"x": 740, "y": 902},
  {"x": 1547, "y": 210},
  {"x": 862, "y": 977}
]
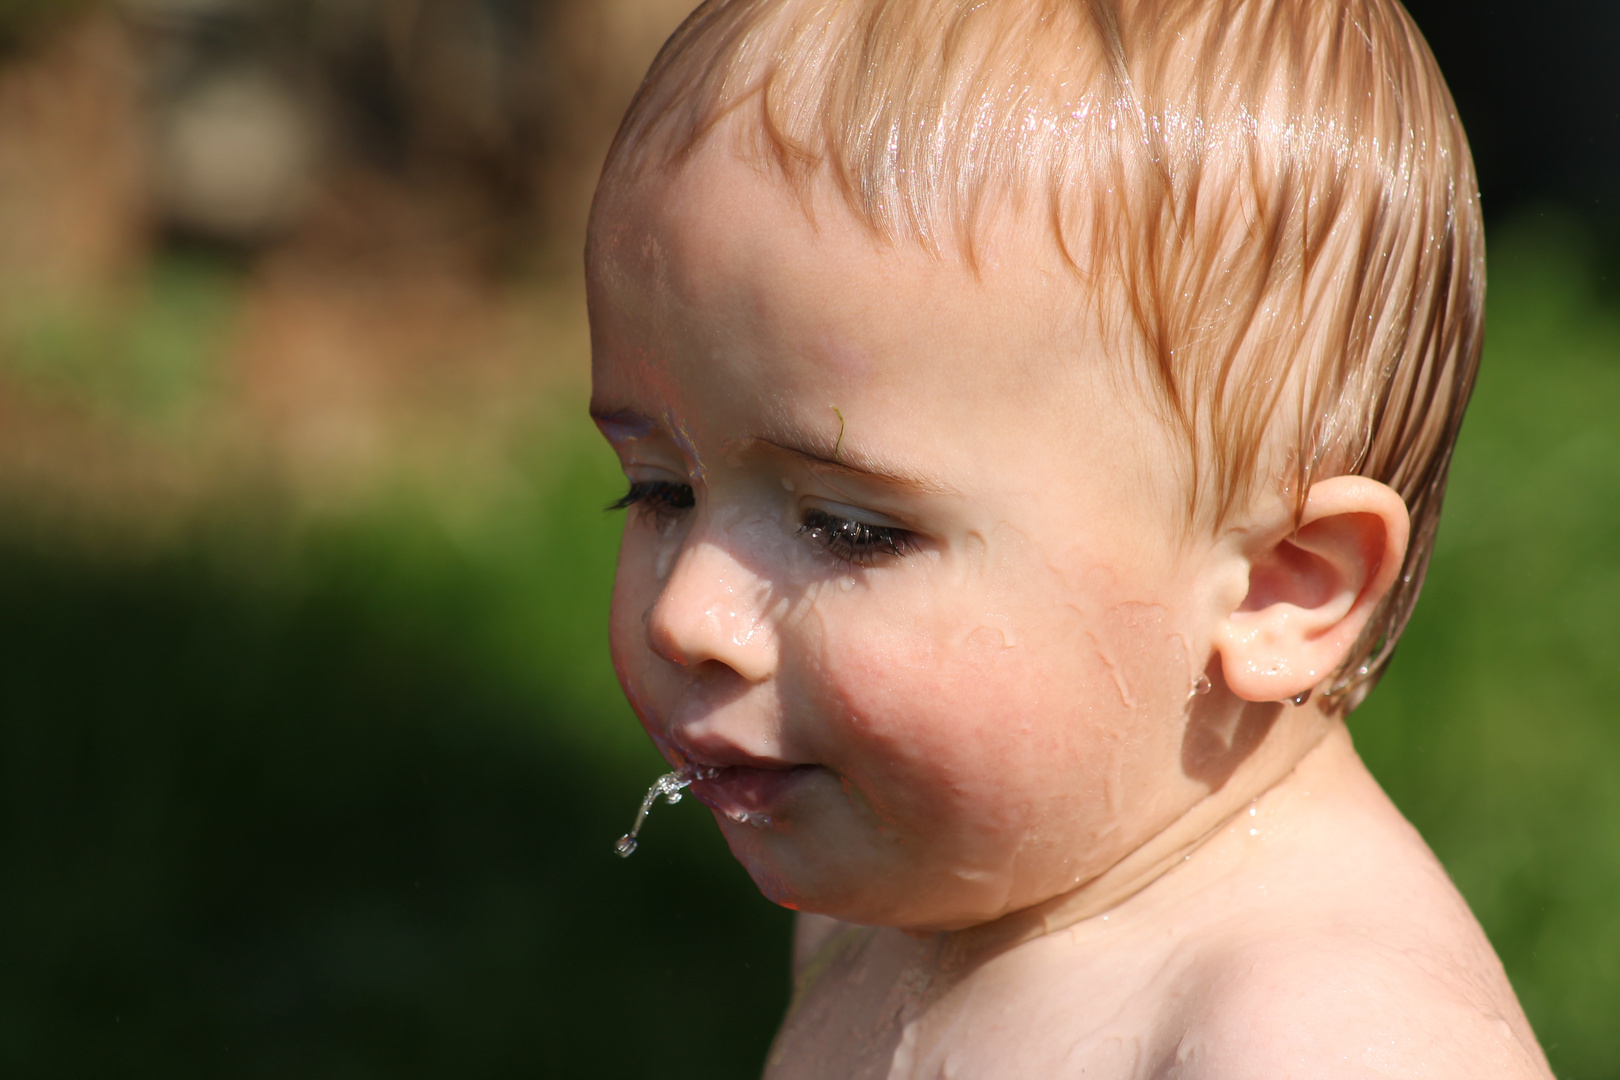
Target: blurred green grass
[
  {"x": 333, "y": 795},
  {"x": 1497, "y": 730}
]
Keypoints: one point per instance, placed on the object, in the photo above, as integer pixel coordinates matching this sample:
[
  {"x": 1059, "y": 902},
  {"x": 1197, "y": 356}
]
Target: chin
[
  {"x": 785, "y": 877},
  {"x": 777, "y": 870},
  {"x": 866, "y": 895}
]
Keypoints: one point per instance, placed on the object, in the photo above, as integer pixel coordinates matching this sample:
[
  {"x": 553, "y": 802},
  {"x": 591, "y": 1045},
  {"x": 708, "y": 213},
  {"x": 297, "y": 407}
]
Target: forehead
[
  {"x": 721, "y": 256},
  {"x": 724, "y": 307}
]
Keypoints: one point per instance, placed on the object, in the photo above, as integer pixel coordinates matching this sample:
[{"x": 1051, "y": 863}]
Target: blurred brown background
[{"x": 397, "y": 187}]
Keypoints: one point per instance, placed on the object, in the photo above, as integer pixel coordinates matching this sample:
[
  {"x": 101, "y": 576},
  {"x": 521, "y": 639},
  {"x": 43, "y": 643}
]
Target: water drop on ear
[{"x": 1200, "y": 688}]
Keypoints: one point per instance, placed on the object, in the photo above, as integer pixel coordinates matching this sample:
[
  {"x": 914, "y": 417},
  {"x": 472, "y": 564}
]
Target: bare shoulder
[
  {"x": 1321, "y": 1006},
  {"x": 1362, "y": 960}
]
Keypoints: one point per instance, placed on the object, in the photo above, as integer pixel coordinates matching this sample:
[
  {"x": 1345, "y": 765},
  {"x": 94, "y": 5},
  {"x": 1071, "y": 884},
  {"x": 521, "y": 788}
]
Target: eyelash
[
  {"x": 664, "y": 499},
  {"x": 855, "y": 541},
  {"x": 843, "y": 538}
]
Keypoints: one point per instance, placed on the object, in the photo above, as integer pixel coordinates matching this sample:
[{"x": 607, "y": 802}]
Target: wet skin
[
  {"x": 906, "y": 564},
  {"x": 982, "y": 710}
]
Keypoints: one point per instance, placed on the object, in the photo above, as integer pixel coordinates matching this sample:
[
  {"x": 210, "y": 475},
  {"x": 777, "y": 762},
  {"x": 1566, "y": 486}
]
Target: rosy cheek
[{"x": 926, "y": 719}]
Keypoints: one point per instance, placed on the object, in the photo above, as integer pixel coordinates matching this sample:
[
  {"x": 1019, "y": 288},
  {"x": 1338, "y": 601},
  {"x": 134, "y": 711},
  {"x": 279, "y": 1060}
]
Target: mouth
[{"x": 747, "y": 794}]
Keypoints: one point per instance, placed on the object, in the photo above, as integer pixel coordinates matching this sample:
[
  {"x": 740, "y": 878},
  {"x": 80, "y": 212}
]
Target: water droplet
[
  {"x": 1200, "y": 688},
  {"x": 669, "y": 786},
  {"x": 745, "y": 817}
]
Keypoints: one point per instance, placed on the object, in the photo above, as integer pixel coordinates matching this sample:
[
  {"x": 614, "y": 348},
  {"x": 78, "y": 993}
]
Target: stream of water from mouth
[{"x": 669, "y": 786}]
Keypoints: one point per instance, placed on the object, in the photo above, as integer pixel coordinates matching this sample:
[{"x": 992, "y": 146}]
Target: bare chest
[{"x": 885, "y": 1007}]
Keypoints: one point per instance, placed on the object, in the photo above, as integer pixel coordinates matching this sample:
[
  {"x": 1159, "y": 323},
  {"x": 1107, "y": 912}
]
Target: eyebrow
[
  {"x": 824, "y": 452},
  {"x": 841, "y": 456}
]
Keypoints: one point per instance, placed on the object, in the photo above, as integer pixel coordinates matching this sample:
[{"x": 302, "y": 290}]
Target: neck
[{"x": 1296, "y": 733}]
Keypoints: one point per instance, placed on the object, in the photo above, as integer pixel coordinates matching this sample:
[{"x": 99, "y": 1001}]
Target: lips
[{"x": 747, "y": 794}]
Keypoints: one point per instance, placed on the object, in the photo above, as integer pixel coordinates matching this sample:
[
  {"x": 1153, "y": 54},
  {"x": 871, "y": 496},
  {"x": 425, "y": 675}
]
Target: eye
[
  {"x": 855, "y": 541},
  {"x": 663, "y": 499}
]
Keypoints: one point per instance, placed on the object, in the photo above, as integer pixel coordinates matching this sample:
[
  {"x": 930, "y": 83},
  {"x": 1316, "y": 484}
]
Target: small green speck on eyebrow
[{"x": 840, "y": 443}]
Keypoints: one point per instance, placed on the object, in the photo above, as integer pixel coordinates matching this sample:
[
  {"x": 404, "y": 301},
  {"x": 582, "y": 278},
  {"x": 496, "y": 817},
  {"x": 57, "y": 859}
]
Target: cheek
[
  {"x": 635, "y": 588},
  {"x": 939, "y": 713},
  {"x": 1021, "y": 721}
]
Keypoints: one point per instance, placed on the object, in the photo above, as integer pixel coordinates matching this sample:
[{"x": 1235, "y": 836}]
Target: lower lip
[{"x": 749, "y": 796}]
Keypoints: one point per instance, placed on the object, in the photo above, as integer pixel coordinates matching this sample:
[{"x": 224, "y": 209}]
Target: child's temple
[{"x": 1037, "y": 416}]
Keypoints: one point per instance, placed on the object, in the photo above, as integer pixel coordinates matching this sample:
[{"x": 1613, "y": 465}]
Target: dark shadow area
[
  {"x": 1539, "y": 94},
  {"x": 254, "y": 834}
]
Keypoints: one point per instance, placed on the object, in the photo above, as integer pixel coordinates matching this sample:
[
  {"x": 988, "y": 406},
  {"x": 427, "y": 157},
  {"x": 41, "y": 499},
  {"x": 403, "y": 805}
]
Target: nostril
[{"x": 712, "y": 669}]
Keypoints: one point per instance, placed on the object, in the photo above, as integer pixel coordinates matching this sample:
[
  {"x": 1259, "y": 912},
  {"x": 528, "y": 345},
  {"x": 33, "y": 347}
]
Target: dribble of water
[{"x": 669, "y": 786}]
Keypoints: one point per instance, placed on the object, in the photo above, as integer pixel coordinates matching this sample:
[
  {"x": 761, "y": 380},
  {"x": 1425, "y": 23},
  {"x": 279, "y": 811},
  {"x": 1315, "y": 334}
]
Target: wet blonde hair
[{"x": 1272, "y": 201}]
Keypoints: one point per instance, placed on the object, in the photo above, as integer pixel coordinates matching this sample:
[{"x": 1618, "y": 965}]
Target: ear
[{"x": 1312, "y": 589}]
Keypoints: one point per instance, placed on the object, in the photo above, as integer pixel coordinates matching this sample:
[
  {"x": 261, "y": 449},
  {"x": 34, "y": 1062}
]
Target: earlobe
[{"x": 1312, "y": 589}]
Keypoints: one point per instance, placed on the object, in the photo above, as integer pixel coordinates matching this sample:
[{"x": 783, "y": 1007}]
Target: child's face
[{"x": 906, "y": 565}]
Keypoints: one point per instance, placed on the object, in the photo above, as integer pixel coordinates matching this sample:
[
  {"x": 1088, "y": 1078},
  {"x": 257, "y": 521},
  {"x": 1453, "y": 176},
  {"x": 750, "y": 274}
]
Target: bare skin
[
  {"x": 907, "y": 574},
  {"x": 1313, "y": 935}
]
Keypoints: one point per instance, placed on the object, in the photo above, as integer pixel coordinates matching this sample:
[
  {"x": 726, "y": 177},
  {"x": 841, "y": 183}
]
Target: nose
[{"x": 714, "y": 610}]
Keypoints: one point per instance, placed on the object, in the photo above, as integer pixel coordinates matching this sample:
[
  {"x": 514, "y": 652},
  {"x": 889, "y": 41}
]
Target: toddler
[{"x": 1036, "y": 415}]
